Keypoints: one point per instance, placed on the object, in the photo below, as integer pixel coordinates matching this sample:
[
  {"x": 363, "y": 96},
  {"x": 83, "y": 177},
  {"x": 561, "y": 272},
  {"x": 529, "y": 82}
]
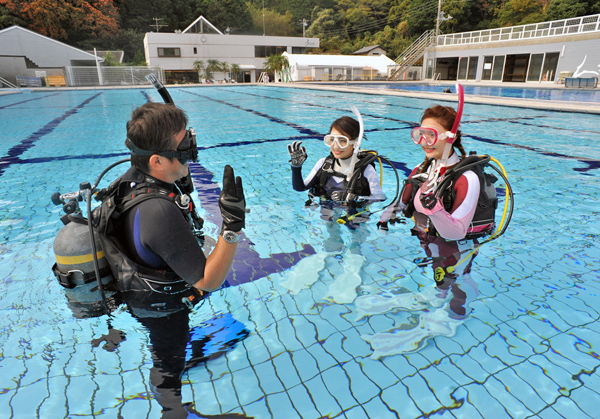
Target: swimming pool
[
  {"x": 528, "y": 348},
  {"x": 538, "y": 93}
]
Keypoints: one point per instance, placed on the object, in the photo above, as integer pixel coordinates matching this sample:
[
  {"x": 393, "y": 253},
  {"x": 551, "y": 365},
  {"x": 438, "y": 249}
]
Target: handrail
[
  {"x": 5, "y": 82},
  {"x": 413, "y": 53},
  {"x": 571, "y": 26}
]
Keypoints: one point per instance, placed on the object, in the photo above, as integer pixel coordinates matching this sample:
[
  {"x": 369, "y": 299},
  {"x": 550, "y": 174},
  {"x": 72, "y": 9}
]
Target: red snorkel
[{"x": 459, "y": 111}]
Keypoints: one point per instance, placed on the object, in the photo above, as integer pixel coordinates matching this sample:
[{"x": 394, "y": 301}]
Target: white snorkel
[{"x": 358, "y": 142}]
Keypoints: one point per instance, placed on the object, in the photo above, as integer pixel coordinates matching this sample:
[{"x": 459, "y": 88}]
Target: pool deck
[{"x": 550, "y": 105}]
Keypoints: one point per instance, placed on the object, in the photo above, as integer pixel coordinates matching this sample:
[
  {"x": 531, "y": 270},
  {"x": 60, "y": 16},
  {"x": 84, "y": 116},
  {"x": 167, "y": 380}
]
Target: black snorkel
[{"x": 152, "y": 79}]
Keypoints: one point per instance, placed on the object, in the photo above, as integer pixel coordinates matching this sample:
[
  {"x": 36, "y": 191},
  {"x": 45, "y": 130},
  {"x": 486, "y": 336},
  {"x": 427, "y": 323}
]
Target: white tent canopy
[{"x": 337, "y": 67}]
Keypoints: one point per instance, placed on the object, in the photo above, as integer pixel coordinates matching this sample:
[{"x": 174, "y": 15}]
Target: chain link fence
[{"x": 110, "y": 76}]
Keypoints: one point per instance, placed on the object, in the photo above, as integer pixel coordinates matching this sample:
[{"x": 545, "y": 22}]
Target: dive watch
[{"x": 231, "y": 236}]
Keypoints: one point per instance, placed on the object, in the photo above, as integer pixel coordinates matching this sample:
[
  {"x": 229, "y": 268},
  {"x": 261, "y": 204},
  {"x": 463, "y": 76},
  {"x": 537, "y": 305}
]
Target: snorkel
[
  {"x": 432, "y": 181},
  {"x": 356, "y": 146},
  {"x": 452, "y": 136},
  {"x": 152, "y": 79}
]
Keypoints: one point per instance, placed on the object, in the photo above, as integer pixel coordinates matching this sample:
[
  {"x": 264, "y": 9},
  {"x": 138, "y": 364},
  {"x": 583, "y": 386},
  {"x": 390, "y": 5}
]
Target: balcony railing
[{"x": 583, "y": 24}]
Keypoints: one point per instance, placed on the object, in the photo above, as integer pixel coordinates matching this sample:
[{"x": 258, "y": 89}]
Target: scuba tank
[{"x": 74, "y": 267}]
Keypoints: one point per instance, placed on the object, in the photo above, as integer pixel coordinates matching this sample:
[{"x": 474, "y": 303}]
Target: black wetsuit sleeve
[
  {"x": 297, "y": 181},
  {"x": 165, "y": 231}
]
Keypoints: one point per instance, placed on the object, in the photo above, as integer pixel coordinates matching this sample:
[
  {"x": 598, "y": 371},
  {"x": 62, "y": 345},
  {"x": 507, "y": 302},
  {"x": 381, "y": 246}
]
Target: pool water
[
  {"x": 538, "y": 93},
  {"x": 314, "y": 321}
]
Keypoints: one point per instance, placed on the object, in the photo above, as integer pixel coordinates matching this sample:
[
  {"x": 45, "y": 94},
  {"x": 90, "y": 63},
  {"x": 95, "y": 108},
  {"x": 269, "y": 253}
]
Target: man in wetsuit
[{"x": 157, "y": 233}]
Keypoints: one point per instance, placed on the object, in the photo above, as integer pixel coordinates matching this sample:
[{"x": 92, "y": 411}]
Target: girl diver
[{"x": 344, "y": 175}]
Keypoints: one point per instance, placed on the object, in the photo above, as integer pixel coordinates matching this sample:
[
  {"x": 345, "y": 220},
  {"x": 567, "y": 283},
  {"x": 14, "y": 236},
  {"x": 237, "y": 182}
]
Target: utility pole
[
  {"x": 304, "y": 24},
  {"x": 156, "y": 24}
]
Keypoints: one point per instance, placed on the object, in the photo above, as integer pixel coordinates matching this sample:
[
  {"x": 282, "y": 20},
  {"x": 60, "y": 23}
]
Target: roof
[
  {"x": 43, "y": 51},
  {"x": 368, "y": 49},
  {"x": 378, "y": 62},
  {"x": 201, "y": 25},
  {"x": 117, "y": 55}
]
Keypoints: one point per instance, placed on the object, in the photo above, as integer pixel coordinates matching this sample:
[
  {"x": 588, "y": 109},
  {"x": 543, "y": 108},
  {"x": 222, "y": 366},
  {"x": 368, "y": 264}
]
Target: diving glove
[
  {"x": 297, "y": 153},
  {"x": 232, "y": 202}
]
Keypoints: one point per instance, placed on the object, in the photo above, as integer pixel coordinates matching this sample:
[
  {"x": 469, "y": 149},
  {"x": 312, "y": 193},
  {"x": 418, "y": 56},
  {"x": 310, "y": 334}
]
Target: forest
[{"x": 343, "y": 26}]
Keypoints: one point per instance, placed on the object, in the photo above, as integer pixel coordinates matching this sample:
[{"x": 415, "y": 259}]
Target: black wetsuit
[{"x": 158, "y": 235}]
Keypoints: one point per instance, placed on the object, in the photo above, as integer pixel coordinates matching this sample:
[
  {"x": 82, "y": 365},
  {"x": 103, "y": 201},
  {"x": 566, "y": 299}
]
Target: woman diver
[{"x": 345, "y": 178}]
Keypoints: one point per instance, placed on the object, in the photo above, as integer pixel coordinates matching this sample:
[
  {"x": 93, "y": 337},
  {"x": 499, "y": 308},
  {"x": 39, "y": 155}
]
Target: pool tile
[
  {"x": 501, "y": 392},
  {"x": 324, "y": 359},
  {"x": 362, "y": 388},
  {"x": 269, "y": 380},
  {"x": 247, "y": 386},
  {"x": 326, "y": 402},
  {"x": 480, "y": 330},
  {"x": 421, "y": 393},
  {"x": 303, "y": 401},
  {"x": 339, "y": 387},
  {"x": 550, "y": 413},
  {"x": 470, "y": 367},
  {"x": 305, "y": 329},
  {"x": 448, "y": 345},
  {"x": 287, "y": 334},
  {"x": 586, "y": 400},
  {"x": 286, "y": 370},
  {"x": 546, "y": 388},
  {"x": 575, "y": 348},
  {"x": 505, "y": 346},
  {"x": 385, "y": 374},
  {"x": 280, "y": 404},
  {"x": 568, "y": 408},
  {"x": 305, "y": 364},
  {"x": 400, "y": 402},
  {"x": 441, "y": 384},
  {"x": 354, "y": 345},
  {"x": 487, "y": 405},
  {"x": 484, "y": 355}
]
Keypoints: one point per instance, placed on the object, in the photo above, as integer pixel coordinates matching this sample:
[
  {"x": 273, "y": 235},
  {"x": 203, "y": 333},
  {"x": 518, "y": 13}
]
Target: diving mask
[
  {"x": 186, "y": 151},
  {"x": 430, "y": 135},
  {"x": 341, "y": 140}
]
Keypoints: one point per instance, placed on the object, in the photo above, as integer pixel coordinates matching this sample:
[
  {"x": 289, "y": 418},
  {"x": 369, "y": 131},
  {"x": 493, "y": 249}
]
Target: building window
[
  {"x": 169, "y": 52},
  {"x": 195, "y": 50},
  {"x": 498, "y": 68},
  {"x": 298, "y": 50},
  {"x": 262, "y": 51},
  {"x": 550, "y": 64}
]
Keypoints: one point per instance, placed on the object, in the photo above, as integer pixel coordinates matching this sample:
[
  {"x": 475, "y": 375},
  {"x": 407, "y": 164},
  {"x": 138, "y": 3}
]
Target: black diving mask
[{"x": 186, "y": 151}]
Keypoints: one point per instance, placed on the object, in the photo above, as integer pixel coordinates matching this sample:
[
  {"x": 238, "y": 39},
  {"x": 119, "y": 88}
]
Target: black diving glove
[
  {"x": 232, "y": 202},
  {"x": 428, "y": 200},
  {"x": 297, "y": 153}
]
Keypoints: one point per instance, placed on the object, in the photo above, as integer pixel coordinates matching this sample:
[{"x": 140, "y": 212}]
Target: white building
[
  {"x": 538, "y": 52},
  {"x": 201, "y": 41},
  {"x": 309, "y": 67},
  {"x": 30, "y": 59}
]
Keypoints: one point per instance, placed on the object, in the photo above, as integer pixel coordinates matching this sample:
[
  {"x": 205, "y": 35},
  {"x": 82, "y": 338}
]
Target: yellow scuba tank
[{"x": 73, "y": 252}]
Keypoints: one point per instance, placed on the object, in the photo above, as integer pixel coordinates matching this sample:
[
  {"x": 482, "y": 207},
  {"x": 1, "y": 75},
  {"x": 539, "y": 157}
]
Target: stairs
[{"x": 412, "y": 54}]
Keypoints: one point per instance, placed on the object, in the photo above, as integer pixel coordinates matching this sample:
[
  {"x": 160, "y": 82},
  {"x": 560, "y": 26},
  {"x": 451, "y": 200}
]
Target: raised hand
[
  {"x": 297, "y": 153},
  {"x": 232, "y": 202}
]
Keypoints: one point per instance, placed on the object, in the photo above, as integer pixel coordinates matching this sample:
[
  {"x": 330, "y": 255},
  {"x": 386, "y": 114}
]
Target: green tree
[
  {"x": 226, "y": 14},
  {"x": 212, "y": 67},
  {"x": 199, "y": 67},
  {"x": 276, "y": 64},
  {"x": 276, "y": 24},
  {"x": 235, "y": 70},
  {"x": 564, "y": 9}
]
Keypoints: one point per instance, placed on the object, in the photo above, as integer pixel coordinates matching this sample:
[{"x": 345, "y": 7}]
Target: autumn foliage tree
[{"x": 62, "y": 19}]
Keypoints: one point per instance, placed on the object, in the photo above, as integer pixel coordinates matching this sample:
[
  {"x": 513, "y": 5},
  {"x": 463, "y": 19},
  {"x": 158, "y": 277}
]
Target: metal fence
[
  {"x": 110, "y": 76},
  {"x": 584, "y": 24}
]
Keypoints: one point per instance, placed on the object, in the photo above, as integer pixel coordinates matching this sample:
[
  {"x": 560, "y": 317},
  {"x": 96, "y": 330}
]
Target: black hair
[
  {"x": 348, "y": 126},
  {"x": 153, "y": 127}
]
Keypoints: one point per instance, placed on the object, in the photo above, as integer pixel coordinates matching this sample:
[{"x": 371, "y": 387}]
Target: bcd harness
[
  {"x": 483, "y": 220},
  {"x": 117, "y": 199},
  {"x": 358, "y": 185}
]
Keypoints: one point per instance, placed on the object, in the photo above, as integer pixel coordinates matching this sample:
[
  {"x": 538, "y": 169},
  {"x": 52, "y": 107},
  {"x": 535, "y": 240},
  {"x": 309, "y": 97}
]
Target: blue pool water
[
  {"x": 303, "y": 330},
  {"x": 539, "y": 93}
]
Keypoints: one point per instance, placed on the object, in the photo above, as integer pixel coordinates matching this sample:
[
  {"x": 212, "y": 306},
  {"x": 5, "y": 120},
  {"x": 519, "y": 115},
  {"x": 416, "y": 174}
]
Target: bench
[
  {"x": 581, "y": 82},
  {"x": 55, "y": 81}
]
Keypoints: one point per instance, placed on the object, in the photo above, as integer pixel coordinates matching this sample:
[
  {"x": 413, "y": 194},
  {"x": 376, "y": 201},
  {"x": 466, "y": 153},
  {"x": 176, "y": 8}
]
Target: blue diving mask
[{"x": 186, "y": 151}]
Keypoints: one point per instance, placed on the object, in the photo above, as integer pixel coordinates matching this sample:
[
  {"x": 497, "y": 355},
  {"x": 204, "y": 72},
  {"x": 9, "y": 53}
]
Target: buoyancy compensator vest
[
  {"x": 483, "y": 222},
  {"x": 119, "y": 198},
  {"x": 358, "y": 185}
]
